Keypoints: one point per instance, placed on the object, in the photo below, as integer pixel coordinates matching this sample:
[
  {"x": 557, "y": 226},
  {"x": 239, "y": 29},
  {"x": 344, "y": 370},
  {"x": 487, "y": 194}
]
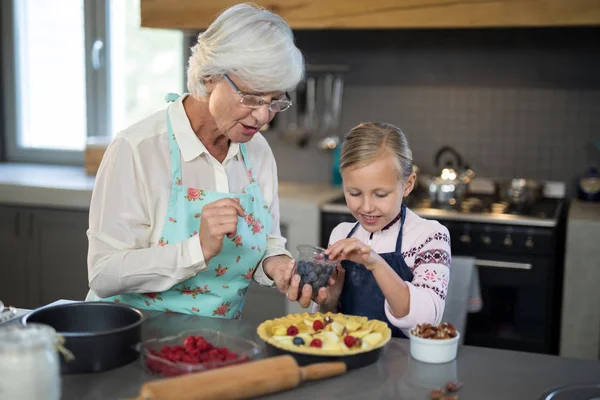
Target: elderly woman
[{"x": 185, "y": 211}]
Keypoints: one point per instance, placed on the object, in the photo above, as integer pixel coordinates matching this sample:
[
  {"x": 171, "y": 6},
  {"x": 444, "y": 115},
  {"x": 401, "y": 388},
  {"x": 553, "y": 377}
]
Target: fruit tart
[{"x": 325, "y": 334}]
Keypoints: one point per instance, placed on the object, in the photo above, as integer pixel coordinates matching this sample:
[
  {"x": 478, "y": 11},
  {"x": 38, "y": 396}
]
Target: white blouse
[
  {"x": 426, "y": 251},
  {"x": 131, "y": 196}
]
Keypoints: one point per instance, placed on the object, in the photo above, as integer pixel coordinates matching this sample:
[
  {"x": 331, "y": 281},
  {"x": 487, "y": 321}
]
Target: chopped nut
[
  {"x": 328, "y": 320},
  {"x": 453, "y": 386},
  {"x": 437, "y": 394},
  {"x": 427, "y": 331}
]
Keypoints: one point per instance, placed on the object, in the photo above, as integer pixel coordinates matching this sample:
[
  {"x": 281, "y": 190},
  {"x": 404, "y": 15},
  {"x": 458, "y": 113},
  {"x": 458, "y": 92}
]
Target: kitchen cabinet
[
  {"x": 580, "y": 323},
  {"x": 384, "y": 14},
  {"x": 44, "y": 253},
  {"x": 263, "y": 303},
  {"x": 14, "y": 288},
  {"x": 59, "y": 254}
]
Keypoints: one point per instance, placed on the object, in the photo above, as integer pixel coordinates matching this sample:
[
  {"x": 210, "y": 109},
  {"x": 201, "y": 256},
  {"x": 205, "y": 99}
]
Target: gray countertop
[
  {"x": 486, "y": 374},
  {"x": 69, "y": 187},
  {"x": 45, "y": 185}
]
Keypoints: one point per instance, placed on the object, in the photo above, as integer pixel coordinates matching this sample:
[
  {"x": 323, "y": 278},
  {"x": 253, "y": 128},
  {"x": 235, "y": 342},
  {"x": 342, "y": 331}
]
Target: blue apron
[
  {"x": 219, "y": 291},
  {"x": 361, "y": 295}
]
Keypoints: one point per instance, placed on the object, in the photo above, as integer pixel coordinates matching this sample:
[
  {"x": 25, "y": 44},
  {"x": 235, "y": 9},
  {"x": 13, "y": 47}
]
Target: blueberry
[
  {"x": 298, "y": 341},
  {"x": 302, "y": 268}
]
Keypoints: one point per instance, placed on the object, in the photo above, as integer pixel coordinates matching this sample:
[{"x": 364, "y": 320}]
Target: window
[{"x": 80, "y": 68}]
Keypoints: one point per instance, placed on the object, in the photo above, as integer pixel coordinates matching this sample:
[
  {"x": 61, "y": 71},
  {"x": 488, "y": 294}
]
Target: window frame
[
  {"x": 97, "y": 81},
  {"x": 95, "y": 27}
]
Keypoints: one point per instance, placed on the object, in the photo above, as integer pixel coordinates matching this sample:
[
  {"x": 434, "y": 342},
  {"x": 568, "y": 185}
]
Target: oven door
[{"x": 517, "y": 305}]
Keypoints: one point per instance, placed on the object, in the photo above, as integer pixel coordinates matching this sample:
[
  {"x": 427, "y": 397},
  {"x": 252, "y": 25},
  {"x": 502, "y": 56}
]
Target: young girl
[{"x": 395, "y": 265}]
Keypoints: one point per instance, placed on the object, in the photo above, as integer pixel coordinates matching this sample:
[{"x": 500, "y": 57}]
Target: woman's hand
[
  {"x": 219, "y": 218},
  {"x": 329, "y": 297},
  {"x": 282, "y": 270},
  {"x": 356, "y": 251}
]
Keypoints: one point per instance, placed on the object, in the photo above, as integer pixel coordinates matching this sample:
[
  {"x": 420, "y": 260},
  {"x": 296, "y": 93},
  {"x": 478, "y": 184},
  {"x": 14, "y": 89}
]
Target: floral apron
[
  {"x": 221, "y": 290},
  {"x": 361, "y": 294}
]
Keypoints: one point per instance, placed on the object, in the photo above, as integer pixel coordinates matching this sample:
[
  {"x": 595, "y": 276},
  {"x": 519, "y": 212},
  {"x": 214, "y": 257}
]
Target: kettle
[{"x": 450, "y": 187}]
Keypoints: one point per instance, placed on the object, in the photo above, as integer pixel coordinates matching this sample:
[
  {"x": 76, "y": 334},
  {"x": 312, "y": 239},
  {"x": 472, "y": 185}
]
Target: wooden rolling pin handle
[{"x": 322, "y": 371}]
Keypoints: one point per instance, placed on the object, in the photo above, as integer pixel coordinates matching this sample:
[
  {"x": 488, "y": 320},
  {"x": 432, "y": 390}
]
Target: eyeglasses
[{"x": 254, "y": 101}]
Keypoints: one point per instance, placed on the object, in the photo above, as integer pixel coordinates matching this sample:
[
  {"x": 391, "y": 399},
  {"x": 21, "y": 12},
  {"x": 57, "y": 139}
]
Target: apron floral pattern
[{"x": 219, "y": 291}]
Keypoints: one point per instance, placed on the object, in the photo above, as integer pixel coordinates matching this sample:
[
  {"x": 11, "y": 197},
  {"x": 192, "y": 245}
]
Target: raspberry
[
  {"x": 189, "y": 343},
  {"x": 201, "y": 342},
  {"x": 349, "y": 341},
  {"x": 318, "y": 325},
  {"x": 195, "y": 350},
  {"x": 292, "y": 331},
  {"x": 316, "y": 343}
]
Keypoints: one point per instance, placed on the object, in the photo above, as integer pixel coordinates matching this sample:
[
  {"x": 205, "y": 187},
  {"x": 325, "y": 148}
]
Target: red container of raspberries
[{"x": 195, "y": 351}]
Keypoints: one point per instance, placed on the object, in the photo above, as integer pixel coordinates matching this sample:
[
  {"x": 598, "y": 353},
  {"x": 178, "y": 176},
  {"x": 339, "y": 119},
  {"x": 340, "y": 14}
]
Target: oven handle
[{"x": 502, "y": 264}]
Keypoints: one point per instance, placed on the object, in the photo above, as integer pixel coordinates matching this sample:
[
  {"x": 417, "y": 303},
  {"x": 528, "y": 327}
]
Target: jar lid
[{"x": 17, "y": 338}]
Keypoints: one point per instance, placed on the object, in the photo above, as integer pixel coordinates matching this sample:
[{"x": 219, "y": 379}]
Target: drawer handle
[{"x": 502, "y": 264}]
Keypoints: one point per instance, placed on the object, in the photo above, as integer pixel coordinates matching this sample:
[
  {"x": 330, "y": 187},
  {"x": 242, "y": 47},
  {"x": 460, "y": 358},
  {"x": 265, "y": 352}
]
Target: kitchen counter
[
  {"x": 485, "y": 373},
  {"x": 53, "y": 186},
  {"x": 59, "y": 186}
]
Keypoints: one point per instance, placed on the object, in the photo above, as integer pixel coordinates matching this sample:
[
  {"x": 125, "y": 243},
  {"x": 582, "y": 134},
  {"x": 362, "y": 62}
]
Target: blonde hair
[
  {"x": 251, "y": 42},
  {"x": 370, "y": 140}
]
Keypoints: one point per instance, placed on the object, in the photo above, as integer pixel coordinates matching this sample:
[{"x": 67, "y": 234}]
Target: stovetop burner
[{"x": 483, "y": 207}]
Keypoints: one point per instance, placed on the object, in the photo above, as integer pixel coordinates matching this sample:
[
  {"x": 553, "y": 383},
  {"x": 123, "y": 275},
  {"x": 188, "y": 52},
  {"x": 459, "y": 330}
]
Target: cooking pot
[
  {"x": 520, "y": 192},
  {"x": 100, "y": 335},
  {"x": 450, "y": 187}
]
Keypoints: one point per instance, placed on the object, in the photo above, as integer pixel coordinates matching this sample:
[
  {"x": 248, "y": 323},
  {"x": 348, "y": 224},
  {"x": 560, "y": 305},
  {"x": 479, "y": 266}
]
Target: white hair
[{"x": 250, "y": 42}]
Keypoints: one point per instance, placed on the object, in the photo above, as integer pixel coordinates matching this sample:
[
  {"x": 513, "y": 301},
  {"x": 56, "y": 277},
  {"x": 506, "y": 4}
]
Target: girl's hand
[{"x": 356, "y": 251}]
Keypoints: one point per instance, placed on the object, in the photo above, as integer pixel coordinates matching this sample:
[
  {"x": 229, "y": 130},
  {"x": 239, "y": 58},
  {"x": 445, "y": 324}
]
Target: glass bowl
[
  {"x": 156, "y": 364},
  {"x": 314, "y": 267}
]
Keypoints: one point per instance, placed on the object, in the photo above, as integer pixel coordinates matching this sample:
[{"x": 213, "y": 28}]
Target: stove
[
  {"x": 519, "y": 253},
  {"x": 482, "y": 208}
]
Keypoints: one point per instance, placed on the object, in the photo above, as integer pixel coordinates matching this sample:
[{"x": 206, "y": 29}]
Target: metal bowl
[
  {"x": 520, "y": 191},
  {"x": 574, "y": 392},
  {"x": 101, "y": 336}
]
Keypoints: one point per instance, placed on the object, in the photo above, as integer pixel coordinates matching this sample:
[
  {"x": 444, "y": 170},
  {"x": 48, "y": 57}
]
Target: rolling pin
[{"x": 242, "y": 381}]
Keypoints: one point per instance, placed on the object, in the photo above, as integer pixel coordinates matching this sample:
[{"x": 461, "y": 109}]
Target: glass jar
[{"x": 29, "y": 363}]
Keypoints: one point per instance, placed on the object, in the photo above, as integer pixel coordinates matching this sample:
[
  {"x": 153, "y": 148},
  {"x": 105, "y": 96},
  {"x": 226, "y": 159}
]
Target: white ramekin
[{"x": 434, "y": 351}]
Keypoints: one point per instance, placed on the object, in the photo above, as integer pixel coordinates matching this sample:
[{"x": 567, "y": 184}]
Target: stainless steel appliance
[
  {"x": 519, "y": 251},
  {"x": 520, "y": 192},
  {"x": 451, "y": 186}
]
